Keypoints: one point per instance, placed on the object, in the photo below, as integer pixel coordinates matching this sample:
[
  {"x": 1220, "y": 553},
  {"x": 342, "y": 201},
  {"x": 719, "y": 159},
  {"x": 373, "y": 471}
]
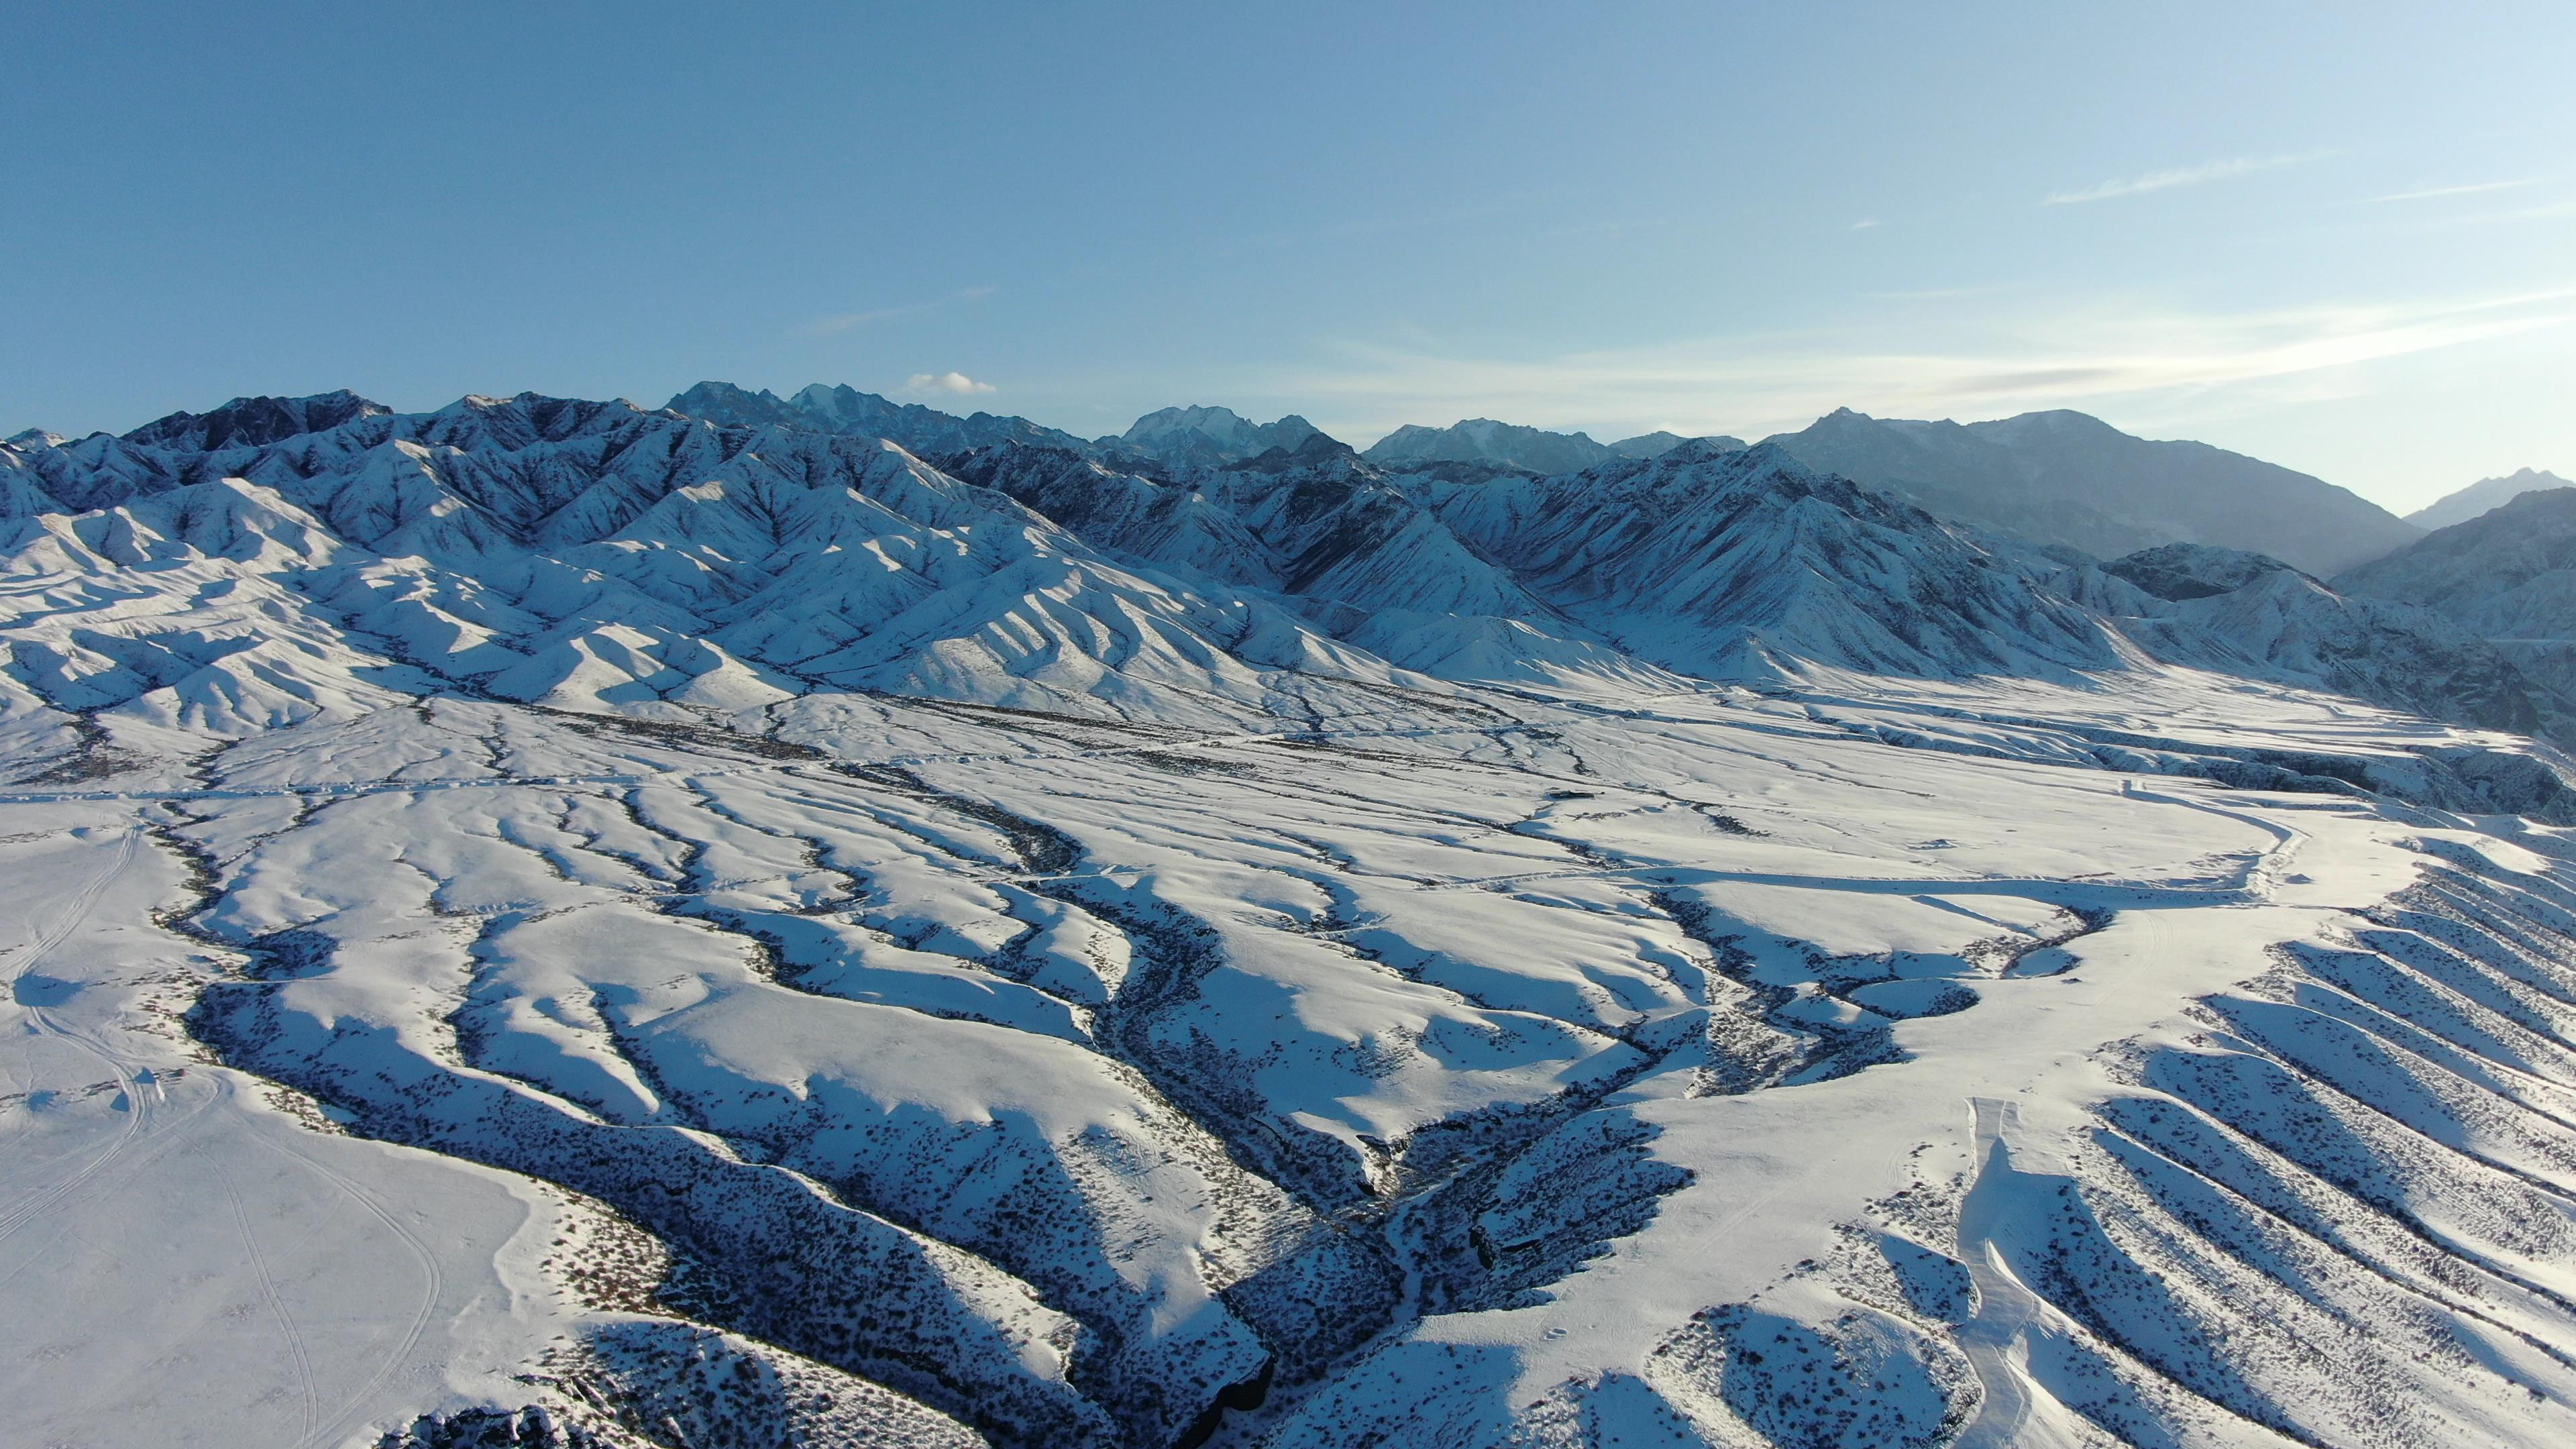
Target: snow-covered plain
[{"x": 515, "y": 982}]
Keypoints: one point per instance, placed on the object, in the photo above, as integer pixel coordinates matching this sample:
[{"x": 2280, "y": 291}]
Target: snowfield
[{"x": 545, "y": 923}]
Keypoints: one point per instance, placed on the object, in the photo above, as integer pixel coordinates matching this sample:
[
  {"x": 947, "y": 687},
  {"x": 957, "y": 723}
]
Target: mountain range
[
  {"x": 2058, "y": 478},
  {"x": 557, "y": 923},
  {"x": 582, "y": 553}
]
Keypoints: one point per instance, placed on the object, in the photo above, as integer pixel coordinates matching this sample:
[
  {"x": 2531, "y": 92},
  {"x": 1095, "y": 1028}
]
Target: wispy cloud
[
  {"x": 844, "y": 321},
  {"x": 2547, "y": 210},
  {"x": 1974, "y": 360},
  {"x": 1866, "y": 223},
  {"x": 954, "y": 384},
  {"x": 2474, "y": 188},
  {"x": 2172, "y": 177}
]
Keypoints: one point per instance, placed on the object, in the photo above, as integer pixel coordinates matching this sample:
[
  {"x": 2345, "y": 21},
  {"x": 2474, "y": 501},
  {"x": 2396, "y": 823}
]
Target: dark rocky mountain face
[
  {"x": 2065, "y": 478},
  {"x": 2192, "y": 571},
  {"x": 250, "y": 422}
]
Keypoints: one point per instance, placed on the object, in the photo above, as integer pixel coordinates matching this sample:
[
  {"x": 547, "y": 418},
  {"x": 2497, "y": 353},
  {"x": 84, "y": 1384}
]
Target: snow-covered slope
[
  {"x": 2243, "y": 612},
  {"x": 1728, "y": 563},
  {"x": 2483, "y": 495},
  {"x": 2506, "y": 572},
  {"x": 548, "y": 923},
  {"x": 2065, "y": 478}
]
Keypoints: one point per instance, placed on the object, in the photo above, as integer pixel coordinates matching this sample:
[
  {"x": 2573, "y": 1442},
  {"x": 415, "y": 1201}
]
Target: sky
[{"x": 2339, "y": 237}]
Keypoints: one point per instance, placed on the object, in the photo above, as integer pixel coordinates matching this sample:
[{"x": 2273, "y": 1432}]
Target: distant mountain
[
  {"x": 2068, "y": 479},
  {"x": 1483, "y": 440},
  {"x": 1206, "y": 436},
  {"x": 849, "y": 412},
  {"x": 2508, "y": 574},
  {"x": 1656, "y": 444},
  {"x": 2510, "y": 571},
  {"x": 2482, "y": 495}
]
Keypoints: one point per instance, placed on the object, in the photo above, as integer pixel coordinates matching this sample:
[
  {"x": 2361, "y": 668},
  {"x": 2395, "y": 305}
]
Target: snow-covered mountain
[
  {"x": 581, "y": 554},
  {"x": 2483, "y": 495},
  {"x": 1738, "y": 564},
  {"x": 1483, "y": 440},
  {"x": 2069, "y": 479},
  {"x": 1727, "y": 563},
  {"x": 1206, "y": 436},
  {"x": 2509, "y": 571},
  {"x": 553, "y": 923}
]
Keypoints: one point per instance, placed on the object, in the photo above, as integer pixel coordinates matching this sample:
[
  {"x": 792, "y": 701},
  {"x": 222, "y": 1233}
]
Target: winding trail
[
  {"x": 433, "y": 1288},
  {"x": 296, "y": 1352},
  {"x": 139, "y": 1090}
]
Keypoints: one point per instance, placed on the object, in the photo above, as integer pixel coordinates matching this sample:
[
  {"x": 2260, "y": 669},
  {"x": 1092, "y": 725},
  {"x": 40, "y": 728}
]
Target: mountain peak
[
  {"x": 1202, "y": 435},
  {"x": 1195, "y": 415},
  {"x": 2061, "y": 421},
  {"x": 723, "y": 402},
  {"x": 1487, "y": 441},
  {"x": 1660, "y": 442},
  {"x": 1318, "y": 450},
  {"x": 2486, "y": 493}
]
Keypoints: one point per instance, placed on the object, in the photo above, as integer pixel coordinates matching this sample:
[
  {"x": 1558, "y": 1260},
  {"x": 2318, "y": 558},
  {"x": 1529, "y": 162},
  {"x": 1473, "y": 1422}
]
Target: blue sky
[{"x": 2339, "y": 237}]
